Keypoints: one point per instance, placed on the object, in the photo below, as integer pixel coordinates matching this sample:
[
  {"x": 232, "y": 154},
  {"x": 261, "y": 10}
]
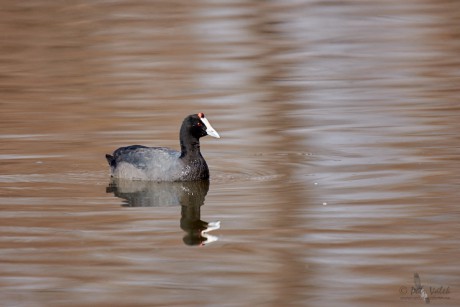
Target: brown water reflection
[{"x": 335, "y": 181}]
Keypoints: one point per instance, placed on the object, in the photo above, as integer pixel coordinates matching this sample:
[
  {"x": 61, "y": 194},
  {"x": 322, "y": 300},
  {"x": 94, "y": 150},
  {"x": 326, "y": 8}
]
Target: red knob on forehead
[{"x": 201, "y": 115}]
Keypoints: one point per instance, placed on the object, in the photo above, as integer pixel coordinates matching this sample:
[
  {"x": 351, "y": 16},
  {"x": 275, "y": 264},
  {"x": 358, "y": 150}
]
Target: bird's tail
[{"x": 111, "y": 161}]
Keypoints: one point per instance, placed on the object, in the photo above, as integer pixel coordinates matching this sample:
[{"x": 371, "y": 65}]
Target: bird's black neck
[{"x": 190, "y": 147}]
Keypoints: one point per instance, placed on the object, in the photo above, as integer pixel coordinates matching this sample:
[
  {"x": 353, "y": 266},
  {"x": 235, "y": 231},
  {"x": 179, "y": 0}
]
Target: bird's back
[{"x": 139, "y": 162}]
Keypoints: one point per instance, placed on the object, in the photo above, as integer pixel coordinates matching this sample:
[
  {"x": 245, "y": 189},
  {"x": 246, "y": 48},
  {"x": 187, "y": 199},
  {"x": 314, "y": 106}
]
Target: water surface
[{"x": 335, "y": 181}]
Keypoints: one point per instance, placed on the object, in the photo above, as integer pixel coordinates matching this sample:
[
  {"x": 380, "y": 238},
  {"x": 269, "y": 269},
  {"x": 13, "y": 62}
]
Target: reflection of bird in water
[
  {"x": 189, "y": 195},
  {"x": 196, "y": 229}
]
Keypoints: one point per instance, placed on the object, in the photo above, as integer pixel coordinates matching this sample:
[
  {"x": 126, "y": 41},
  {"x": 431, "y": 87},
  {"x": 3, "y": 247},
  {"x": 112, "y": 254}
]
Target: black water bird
[{"x": 137, "y": 162}]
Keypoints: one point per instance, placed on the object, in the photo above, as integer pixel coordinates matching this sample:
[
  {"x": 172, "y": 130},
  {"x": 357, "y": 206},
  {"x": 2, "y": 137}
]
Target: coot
[{"x": 137, "y": 162}]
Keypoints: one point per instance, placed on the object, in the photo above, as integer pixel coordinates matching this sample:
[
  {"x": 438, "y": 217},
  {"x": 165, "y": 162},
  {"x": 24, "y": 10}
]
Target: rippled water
[{"x": 336, "y": 179}]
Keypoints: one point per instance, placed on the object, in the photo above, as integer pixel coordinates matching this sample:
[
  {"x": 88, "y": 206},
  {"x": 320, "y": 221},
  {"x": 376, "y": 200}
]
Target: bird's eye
[{"x": 199, "y": 124}]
